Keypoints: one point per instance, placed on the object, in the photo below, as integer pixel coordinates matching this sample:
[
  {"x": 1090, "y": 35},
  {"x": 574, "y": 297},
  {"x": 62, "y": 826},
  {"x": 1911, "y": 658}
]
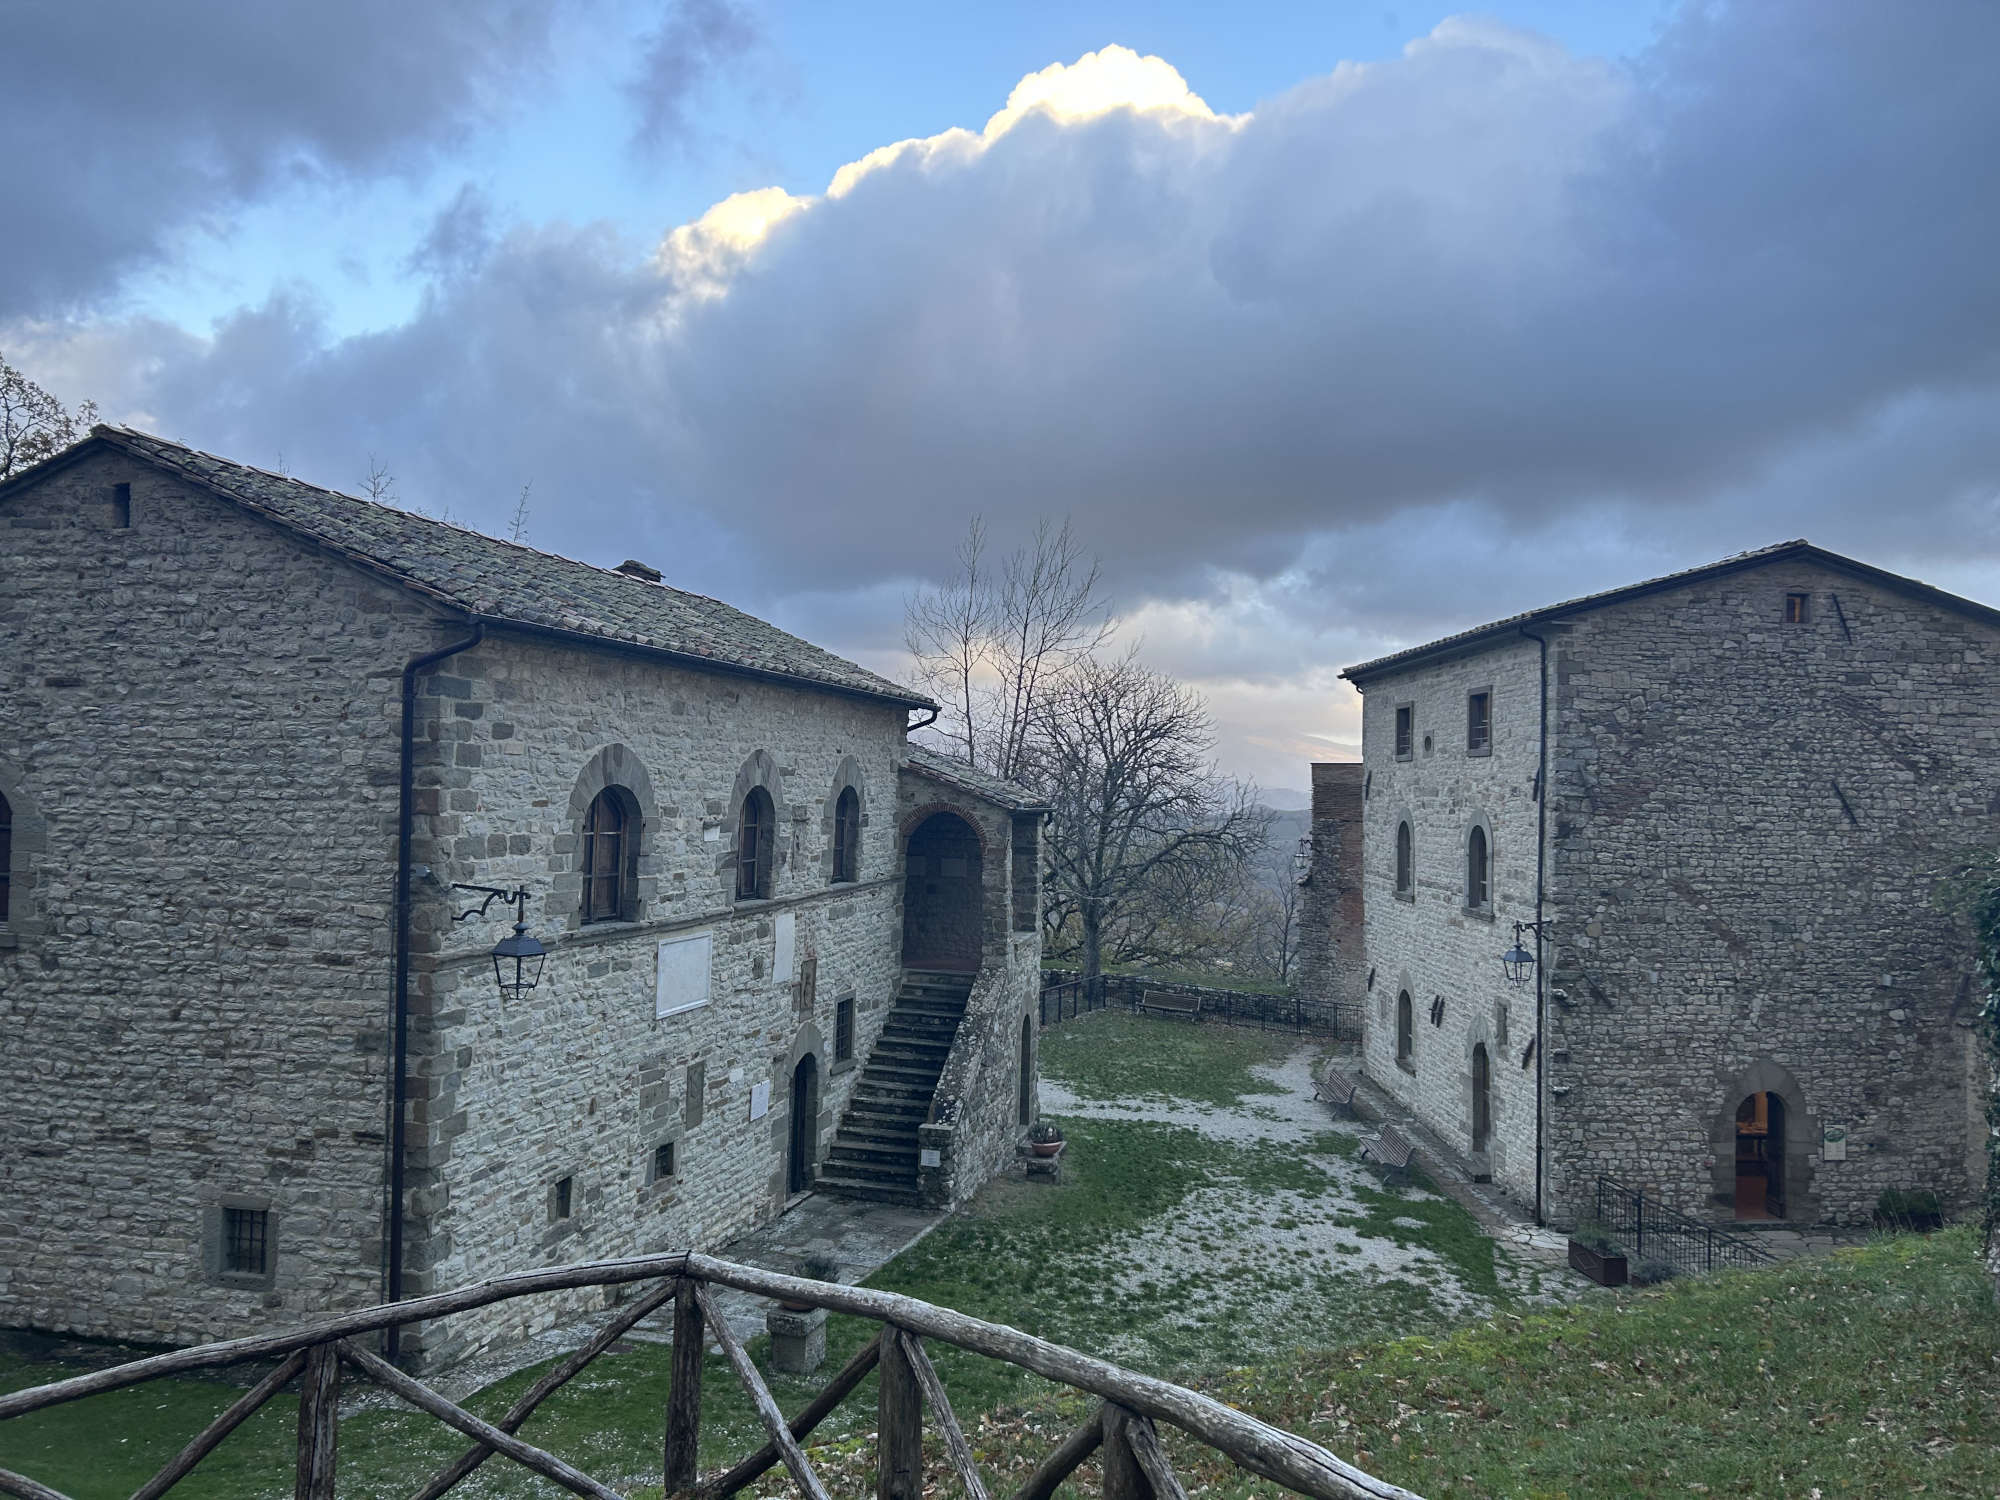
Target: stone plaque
[
  {"x": 786, "y": 929},
  {"x": 682, "y": 981},
  {"x": 1833, "y": 1143},
  {"x": 930, "y": 1156},
  {"x": 760, "y": 1100}
]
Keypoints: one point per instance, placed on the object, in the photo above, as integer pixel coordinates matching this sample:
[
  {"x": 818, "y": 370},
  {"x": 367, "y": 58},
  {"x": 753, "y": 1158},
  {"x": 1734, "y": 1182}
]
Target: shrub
[
  {"x": 1044, "y": 1133},
  {"x": 1594, "y": 1236},
  {"x": 1908, "y": 1208},
  {"x": 1652, "y": 1270}
]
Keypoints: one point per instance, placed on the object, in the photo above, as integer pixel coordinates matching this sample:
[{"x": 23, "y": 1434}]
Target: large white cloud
[{"x": 1414, "y": 343}]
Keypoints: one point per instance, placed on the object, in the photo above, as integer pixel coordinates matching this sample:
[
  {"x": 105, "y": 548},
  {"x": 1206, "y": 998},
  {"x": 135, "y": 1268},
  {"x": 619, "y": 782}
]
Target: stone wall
[
  {"x": 1332, "y": 960},
  {"x": 199, "y": 717},
  {"x": 1747, "y": 821},
  {"x": 587, "y": 1079},
  {"x": 1428, "y": 943}
]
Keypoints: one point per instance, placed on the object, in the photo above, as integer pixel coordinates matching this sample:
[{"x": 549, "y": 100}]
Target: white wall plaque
[
  {"x": 760, "y": 1100},
  {"x": 930, "y": 1156},
  {"x": 787, "y": 925},
  {"x": 682, "y": 983},
  {"x": 711, "y": 835},
  {"x": 1833, "y": 1143}
]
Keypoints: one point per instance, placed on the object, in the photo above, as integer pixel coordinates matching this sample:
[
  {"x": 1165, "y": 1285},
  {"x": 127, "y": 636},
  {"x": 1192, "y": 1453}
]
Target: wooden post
[
  {"x": 1124, "y": 1479},
  {"x": 684, "y": 1400},
  {"x": 899, "y": 1423},
  {"x": 319, "y": 1422}
]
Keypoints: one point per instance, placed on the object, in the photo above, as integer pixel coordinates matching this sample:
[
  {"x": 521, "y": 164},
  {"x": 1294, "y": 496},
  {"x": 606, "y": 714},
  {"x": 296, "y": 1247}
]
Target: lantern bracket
[{"x": 492, "y": 893}]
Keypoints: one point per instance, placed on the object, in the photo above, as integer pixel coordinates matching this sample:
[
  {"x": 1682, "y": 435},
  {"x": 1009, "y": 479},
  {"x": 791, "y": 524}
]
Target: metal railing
[
  {"x": 1648, "y": 1230},
  {"x": 1066, "y": 995},
  {"x": 1134, "y": 1463}
]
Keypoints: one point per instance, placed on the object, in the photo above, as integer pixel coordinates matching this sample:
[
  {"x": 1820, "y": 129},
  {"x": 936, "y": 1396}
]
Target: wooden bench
[
  {"x": 1337, "y": 1088},
  {"x": 1389, "y": 1149},
  {"x": 1168, "y": 1004}
]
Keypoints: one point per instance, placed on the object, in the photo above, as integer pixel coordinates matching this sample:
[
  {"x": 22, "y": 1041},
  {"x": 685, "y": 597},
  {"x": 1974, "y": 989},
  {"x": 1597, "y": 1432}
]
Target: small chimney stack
[{"x": 633, "y": 568}]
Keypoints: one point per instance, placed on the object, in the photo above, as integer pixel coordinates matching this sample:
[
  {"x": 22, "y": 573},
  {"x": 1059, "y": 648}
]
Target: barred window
[
  {"x": 562, "y": 1198},
  {"x": 246, "y": 1241},
  {"x": 1477, "y": 891},
  {"x": 847, "y": 836},
  {"x": 843, "y": 1030},
  {"x": 756, "y": 837},
  {"x": 1479, "y": 723},
  {"x": 663, "y": 1160},
  {"x": 1406, "y": 718},
  {"x": 607, "y": 831}
]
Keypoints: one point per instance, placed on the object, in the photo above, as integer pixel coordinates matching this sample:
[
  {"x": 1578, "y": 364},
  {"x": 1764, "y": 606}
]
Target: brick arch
[
  {"x": 27, "y": 841},
  {"x": 615, "y": 768},
  {"x": 917, "y": 817},
  {"x": 1802, "y": 1136}
]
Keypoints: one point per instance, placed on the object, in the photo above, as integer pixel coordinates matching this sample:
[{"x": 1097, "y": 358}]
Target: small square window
[
  {"x": 1406, "y": 726},
  {"x": 1479, "y": 723},
  {"x": 561, "y": 1197},
  {"x": 663, "y": 1161},
  {"x": 843, "y": 1031},
  {"x": 121, "y": 506},
  {"x": 1798, "y": 609},
  {"x": 246, "y": 1241}
]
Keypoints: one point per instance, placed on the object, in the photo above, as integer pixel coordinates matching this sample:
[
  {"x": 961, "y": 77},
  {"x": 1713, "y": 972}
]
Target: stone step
[
  {"x": 892, "y": 1190},
  {"x": 857, "y": 1154},
  {"x": 894, "y": 1106},
  {"x": 877, "y": 1135},
  {"x": 909, "y": 1054}
]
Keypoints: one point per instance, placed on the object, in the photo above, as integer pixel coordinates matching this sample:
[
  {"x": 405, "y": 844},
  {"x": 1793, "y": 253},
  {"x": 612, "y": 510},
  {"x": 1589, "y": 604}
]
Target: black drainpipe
[
  {"x": 923, "y": 723},
  {"x": 399, "y": 1087},
  {"x": 1541, "y": 864}
]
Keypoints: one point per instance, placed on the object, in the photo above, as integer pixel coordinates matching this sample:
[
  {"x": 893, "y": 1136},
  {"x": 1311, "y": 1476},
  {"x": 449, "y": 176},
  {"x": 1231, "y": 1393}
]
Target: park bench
[
  {"x": 1167, "y": 1004},
  {"x": 1338, "y": 1088},
  {"x": 1389, "y": 1149}
]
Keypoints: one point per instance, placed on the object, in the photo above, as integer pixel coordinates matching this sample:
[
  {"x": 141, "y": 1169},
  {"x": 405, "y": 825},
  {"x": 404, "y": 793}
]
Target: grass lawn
[{"x": 1211, "y": 1229}]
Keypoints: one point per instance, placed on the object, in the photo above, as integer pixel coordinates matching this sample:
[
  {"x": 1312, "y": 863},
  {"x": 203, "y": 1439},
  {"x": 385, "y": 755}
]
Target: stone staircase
[{"x": 874, "y": 1152}]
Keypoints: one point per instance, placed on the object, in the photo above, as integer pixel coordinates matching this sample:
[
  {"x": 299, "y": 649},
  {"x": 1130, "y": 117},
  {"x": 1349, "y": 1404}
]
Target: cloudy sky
[{"x": 1333, "y": 327}]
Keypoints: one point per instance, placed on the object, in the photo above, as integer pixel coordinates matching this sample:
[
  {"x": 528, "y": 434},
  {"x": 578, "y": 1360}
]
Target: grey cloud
[
  {"x": 1416, "y": 333},
  {"x": 130, "y": 121},
  {"x": 694, "y": 40}
]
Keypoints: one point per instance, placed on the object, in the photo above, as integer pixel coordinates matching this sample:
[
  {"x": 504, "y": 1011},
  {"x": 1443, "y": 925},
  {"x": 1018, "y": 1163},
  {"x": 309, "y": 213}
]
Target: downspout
[
  {"x": 909, "y": 729},
  {"x": 399, "y": 1086},
  {"x": 1541, "y": 969}
]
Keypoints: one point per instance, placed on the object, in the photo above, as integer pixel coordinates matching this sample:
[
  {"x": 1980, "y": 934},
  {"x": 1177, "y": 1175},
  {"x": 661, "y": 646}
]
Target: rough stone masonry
[{"x": 200, "y": 735}]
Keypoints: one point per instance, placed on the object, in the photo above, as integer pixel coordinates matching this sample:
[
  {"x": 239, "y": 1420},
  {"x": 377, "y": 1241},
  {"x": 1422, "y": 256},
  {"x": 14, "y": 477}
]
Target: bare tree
[
  {"x": 1148, "y": 843},
  {"x": 991, "y": 647},
  {"x": 517, "y": 529},
  {"x": 34, "y": 425},
  {"x": 378, "y": 484}
]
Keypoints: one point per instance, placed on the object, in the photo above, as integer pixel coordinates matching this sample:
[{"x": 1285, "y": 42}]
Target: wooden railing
[{"x": 1134, "y": 1464}]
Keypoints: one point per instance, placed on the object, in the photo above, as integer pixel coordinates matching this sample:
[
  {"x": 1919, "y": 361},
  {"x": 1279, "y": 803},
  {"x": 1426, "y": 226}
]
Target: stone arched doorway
[
  {"x": 1760, "y": 1156},
  {"x": 1482, "y": 1099},
  {"x": 800, "y": 1158},
  {"x": 1026, "y": 1102},
  {"x": 943, "y": 895}
]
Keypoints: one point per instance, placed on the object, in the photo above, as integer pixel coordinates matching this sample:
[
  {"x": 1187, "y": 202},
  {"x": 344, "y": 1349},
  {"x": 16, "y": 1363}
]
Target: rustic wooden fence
[
  {"x": 1066, "y": 995},
  {"x": 1134, "y": 1464}
]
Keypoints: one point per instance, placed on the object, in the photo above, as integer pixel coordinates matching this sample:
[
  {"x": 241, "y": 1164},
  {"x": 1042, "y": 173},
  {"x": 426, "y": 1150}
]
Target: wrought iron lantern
[
  {"x": 517, "y": 960},
  {"x": 1517, "y": 962}
]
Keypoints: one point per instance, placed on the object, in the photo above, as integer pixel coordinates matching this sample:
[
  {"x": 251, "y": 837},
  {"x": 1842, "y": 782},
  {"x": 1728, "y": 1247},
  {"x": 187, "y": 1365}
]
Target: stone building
[
  {"x": 1331, "y": 943},
  {"x": 258, "y": 1066},
  {"x": 1728, "y": 796}
]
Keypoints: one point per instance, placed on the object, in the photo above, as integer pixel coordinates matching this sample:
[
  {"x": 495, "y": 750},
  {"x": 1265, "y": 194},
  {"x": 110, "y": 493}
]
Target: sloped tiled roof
[
  {"x": 967, "y": 778},
  {"x": 1799, "y": 551},
  {"x": 508, "y": 584}
]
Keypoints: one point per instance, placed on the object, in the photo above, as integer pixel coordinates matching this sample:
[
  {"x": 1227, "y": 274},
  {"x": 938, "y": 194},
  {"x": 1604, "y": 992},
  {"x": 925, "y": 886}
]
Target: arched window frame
[
  {"x": 1405, "y": 874},
  {"x": 1479, "y": 870},
  {"x": 608, "y": 856},
  {"x": 1482, "y": 1098},
  {"x": 1406, "y": 1032},
  {"x": 847, "y": 837},
  {"x": 756, "y": 845}
]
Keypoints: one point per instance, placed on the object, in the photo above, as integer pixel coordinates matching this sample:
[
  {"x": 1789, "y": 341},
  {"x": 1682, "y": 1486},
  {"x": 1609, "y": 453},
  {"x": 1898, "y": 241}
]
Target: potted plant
[
  {"x": 818, "y": 1266},
  {"x": 1045, "y": 1139},
  {"x": 1593, "y": 1252}
]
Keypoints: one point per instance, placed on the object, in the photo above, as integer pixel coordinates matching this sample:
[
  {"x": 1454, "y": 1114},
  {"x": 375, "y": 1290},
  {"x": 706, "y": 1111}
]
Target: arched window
[
  {"x": 1482, "y": 1098},
  {"x": 6, "y": 853},
  {"x": 756, "y": 838},
  {"x": 1406, "y": 860},
  {"x": 1406, "y": 1040},
  {"x": 1477, "y": 893},
  {"x": 609, "y": 833},
  {"x": 847, "y": 836}
]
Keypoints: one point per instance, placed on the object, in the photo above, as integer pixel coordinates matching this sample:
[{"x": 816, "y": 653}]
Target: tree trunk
[{"x": 1093, "y": 942}]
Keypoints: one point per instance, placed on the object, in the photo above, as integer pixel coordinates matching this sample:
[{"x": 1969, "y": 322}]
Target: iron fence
[
  {"x": 1648, "y": 1230},
  {"x": 1067, "y": 995}
]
